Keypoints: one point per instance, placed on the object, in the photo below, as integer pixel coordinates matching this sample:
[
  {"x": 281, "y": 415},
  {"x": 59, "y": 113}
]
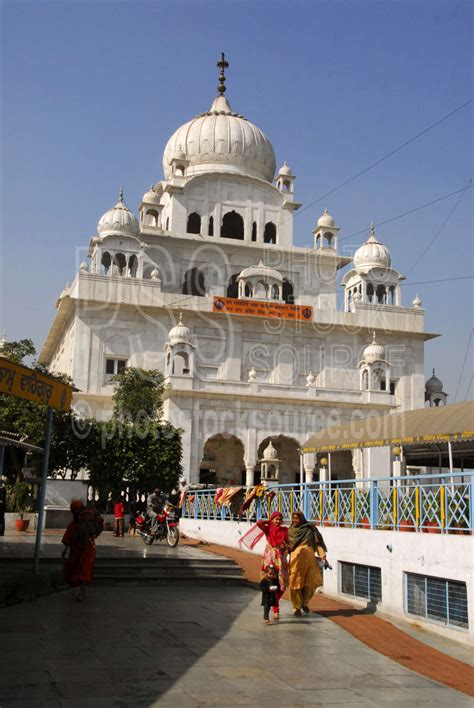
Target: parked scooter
[{"x": 166, "y": 527}]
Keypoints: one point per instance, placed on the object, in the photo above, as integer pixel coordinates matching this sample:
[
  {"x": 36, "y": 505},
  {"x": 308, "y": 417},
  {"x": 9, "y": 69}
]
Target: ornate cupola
[
  {"x": 372, "y": 280},
  {"x": 434, "y": 394},
  {"x": 151, "y": 208},
  {"x": 270, "y": 464},
  {"x": 374, "y": 368},
  {"x": 325, "y": 233},
  {"x": 260, "y": 283},
  {"x": 179, "y": 351},
  {"x": 117, "y": 250},
  {"x": 285, "y": 179}
]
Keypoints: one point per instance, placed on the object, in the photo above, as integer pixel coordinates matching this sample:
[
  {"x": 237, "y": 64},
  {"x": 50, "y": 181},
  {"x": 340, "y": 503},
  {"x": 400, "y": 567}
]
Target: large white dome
[{"x": 221, "y": 141}]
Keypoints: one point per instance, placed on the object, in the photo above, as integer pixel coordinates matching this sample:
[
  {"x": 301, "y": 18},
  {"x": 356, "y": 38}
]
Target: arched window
[
  {"x": 194, "y": 223},
  {"x": 233, "y": 287},
  {"x": 262, "y": 290},
  {"x": 370, "y": 292},
  {"x": 194, "y": 283},
  {"x": 275, "y": 292},
  {"x": 132, "y": 266},
  {"x": 105, "y": 263},
  {"x": 365, "y": 380},
  {"x": 254, "y": 231},
  {"x": 181, "y": 364},
  {"x": 210, "y": 229},
  {"x": 151, "y": 217},
  {"x": 286, "y": 185},
  {"x": 232, "y": 226},
  {"x": 248, "y": 290},
  {"x": 270, "y": 233},
  {"x": 328, "y": 240},
  {"x": 381, "y": 294},
  {"x": 288, "y": 294},
  {"x": 392, "y": 295},
  {"x": 119, "y": 263}
]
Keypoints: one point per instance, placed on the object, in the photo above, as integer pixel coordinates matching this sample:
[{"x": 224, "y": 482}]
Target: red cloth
[
  {"x": 276, "y": 535},
  {"x": 79, "y": 567},
  {"x": 119, "y": 510}
]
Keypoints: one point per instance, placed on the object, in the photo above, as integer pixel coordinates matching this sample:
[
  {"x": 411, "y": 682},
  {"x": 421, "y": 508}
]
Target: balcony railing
[{"x": 434, "y": 504}]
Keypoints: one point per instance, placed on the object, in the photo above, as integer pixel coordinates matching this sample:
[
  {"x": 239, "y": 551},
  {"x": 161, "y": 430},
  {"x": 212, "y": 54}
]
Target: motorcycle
[{"x": 166, "y": 527}]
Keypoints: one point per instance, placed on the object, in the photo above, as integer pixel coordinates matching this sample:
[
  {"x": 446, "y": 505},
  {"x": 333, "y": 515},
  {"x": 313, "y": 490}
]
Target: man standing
[{"x": 119, "y": 514}]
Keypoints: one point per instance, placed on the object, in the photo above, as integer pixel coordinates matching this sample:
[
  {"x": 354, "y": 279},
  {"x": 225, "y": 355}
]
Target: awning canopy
[{"x": 454, "y": 422}]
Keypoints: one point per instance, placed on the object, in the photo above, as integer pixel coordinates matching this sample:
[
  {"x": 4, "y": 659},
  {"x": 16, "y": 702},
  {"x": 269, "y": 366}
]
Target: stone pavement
[{"x": 192, "y": 646}]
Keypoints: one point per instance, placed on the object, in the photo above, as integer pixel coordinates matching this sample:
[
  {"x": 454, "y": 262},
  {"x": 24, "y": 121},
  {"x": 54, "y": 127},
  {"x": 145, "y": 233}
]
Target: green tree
[{"x": 138, "y": 394}]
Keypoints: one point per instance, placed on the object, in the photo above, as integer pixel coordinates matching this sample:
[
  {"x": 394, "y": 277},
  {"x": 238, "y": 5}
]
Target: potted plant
[
  {"x": 19, "y": 497},
  {"x": 406, "y": 525}
]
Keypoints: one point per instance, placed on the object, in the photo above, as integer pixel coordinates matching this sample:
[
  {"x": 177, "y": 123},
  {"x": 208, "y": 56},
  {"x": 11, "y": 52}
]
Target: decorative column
[
  {"x": 308, "y": 474},
  {"x": 249, "y": 475}
]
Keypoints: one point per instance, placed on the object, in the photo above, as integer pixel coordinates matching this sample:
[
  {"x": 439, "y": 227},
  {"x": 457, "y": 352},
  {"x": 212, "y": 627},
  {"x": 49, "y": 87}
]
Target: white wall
[{"x": 445, "y": 556}]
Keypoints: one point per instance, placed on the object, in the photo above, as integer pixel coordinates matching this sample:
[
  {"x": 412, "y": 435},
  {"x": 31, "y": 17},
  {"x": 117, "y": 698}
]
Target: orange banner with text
[{"x": 257, "y": 308}]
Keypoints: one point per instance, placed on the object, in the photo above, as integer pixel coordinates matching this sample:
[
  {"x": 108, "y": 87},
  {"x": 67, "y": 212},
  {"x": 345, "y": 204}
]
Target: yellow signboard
[{"x": 20, "y": 381}]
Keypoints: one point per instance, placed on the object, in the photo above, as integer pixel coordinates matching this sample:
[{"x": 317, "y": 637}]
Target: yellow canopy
[{"x": 454, "y": 422}]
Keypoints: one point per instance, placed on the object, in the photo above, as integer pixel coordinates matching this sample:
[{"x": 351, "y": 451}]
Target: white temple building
[{"x": 207, "y": 286}]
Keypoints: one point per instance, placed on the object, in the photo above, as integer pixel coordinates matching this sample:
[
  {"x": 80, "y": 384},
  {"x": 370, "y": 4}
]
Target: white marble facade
[{"x": 220, "y": 224}]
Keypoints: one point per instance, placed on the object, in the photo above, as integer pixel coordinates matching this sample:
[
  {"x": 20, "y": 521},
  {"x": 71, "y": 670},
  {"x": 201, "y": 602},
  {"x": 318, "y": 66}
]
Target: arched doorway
[
  {"x": 288, "y": 456},
  {"x": 222, "y": 461}
]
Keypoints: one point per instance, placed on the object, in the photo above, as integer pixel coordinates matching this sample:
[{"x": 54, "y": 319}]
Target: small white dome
[
  {"x": 417, "y": 302},
  {"x": 326, "y": 220},
  {"x": 260, "y": 271},
  {"x": 434, "y": 385},
  {"x": 372, "y": 253},
  {"x": 179, "y": 334},
  {"x": 220, "y": 140},
  {"x": 151, "y": 197},
  {"x": 84, "y": 267},
  {"x": 155, "y": 274},
  {"x": 374, "y": 352},
  {"x": 285, "y": 170},
  {"x": 119, "y": 220},
  {"x": 270, "y": 453}
]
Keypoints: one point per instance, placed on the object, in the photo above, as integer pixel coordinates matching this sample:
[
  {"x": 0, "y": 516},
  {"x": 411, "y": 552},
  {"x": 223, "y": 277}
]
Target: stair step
[{"x": 156, "y": 580}]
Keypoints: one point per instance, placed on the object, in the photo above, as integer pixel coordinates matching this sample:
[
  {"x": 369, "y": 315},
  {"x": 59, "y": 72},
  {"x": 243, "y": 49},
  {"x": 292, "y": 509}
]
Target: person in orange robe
[{"x": 79, "y": 541}]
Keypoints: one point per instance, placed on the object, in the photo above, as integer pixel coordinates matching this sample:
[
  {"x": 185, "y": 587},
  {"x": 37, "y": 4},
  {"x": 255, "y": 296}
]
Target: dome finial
[
  {"x": 372, "y": 231},
  {"x": 222, "y": 64},
  {"x": 121, "y": 195}
]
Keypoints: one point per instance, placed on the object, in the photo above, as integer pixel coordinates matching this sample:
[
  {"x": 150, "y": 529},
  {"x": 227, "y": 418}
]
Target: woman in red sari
[
  {"x": 79, "y": 540},
  {"x": 275, "y": 553}
]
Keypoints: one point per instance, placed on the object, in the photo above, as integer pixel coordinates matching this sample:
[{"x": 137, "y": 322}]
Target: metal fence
[{"x": 435, "y": 503}]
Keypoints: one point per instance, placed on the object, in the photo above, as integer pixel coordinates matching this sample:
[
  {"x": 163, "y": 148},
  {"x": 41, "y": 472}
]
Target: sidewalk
[{"x": 378, "y": 634}]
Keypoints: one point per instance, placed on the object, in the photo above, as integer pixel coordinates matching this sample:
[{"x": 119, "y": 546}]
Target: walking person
[
  {"x": 269, "y": 586},
  {"x": 275, "y": 553},
  {"x": 119, "y": 518},
  {"x": 305, "y": 575},
  {"x": 79, "y": 542}
]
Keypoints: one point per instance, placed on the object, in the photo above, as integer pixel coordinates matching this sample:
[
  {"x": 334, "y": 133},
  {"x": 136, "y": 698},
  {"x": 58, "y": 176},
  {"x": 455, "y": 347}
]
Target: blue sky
[{"x": 91, "y": 91}]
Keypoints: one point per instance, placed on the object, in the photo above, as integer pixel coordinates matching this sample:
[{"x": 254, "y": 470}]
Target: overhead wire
[
  {"x": 410, "y": 211},
  {"x": 463, "y": 364},
  {"x": 387, "y": 155}
]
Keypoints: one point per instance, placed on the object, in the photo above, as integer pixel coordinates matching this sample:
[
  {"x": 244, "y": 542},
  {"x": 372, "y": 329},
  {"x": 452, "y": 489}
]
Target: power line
[
  {"x": 468, "y": 387},
  {"x": 458, "y": 201},
  {"x": 410, "y": 211},
  {"x": 463, "y": 364},
  {"x": 385, "y": 157},
  {"x": 426, "y": 282}
]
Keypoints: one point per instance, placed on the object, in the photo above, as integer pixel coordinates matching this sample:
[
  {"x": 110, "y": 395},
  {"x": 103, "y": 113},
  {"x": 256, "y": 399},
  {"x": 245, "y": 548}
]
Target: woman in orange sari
[
  {"x": 275, "y": 553},
  {"x": 79, "y": 541},
  {"x": 305, "y": 576}
]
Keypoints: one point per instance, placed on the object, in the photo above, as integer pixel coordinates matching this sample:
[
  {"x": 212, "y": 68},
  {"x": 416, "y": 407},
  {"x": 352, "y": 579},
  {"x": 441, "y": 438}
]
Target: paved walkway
[{"x": 192, "y": 646}]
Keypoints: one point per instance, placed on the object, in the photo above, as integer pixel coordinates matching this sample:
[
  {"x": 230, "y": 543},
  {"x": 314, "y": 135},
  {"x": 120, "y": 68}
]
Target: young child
[{"x": 269, "y": 587}]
